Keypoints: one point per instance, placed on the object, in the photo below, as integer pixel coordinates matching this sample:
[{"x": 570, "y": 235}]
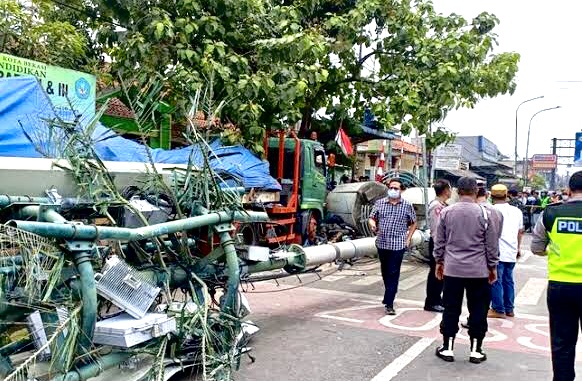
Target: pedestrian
[
  {"x": 503, "y": 290},
  {"x": 558, "y": 234},
  {"x": 434, "y": 286},
  {"x": 496, "y": 216},
  {"x": 465, "y": 236},
  {"x": 534, "y": 203},
  {"x": 545, "y": 200},
  {"x": 394, "y": 220},
  {"x": 514, "y": 199}
]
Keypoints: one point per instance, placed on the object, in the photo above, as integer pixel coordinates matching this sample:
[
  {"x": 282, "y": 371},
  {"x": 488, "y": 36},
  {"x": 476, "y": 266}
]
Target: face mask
[
  {"x": 393, "y": 193},
  {"x": 565, "y": 197}
]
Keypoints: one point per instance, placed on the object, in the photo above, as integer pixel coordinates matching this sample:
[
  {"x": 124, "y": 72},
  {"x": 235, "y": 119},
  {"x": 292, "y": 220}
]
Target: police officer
[{"x": 558, "y": 234}]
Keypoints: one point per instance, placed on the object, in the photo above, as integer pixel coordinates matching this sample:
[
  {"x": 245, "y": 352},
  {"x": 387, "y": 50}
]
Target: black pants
[
  {"x": 390, "y": 262},
  {"x": 478, "y": 299},
  {"x": 434, "y": 287},
  {"x": 565, "y": 308}
]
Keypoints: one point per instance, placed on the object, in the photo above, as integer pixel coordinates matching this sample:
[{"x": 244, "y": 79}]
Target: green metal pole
[
  {"x": 6, "y": 200},
  {"x": 89, "y": 299},
  {"x": 42, "y": 214},
  {"x": 91, "y": 232},
  {"x": 95, "y": 368},
  {"x": 233, "y": 269},
  {"x": 213, "y": 256}
]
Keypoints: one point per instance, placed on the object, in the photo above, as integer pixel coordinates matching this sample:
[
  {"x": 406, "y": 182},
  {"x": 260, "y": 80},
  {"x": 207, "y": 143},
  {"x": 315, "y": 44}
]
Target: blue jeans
[{"x": 503, "y": 290}]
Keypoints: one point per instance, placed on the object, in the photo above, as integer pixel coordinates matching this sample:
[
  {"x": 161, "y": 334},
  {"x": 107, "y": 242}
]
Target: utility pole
[
  {"x": 553, "y": 175},
  {"x": 516, "y": 110}
]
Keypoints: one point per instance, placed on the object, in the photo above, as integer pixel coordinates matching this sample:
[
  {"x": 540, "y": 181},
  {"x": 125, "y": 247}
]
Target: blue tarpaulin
[{"x": 24, "y": 132}]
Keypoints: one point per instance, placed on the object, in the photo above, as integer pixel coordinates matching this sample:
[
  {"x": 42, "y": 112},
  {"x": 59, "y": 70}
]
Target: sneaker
[
  {"x": 435, "y": 308},
  {"x": 510, "y": 314},
  {"x": 477, "y": 355},
  {"x": 445, "y": 351},
  {"x": 495, "y": 315},
  {"x": 390, "y": 310}
]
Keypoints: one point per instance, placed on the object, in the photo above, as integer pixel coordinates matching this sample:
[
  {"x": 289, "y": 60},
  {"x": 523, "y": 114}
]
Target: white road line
[
  {"x": 412, "y": 281},
  {"x": 332, "y": 278},
  {"x": 525, "y": 255},
  {"x": 340, "y": 318},
  {"x": 367, "y": 298},
  {"x": 403, "y": 360},
  {"x": 367, "y": 280},
  {"x": 407, "y": 268},
  {"x": 531, "y": 292}
]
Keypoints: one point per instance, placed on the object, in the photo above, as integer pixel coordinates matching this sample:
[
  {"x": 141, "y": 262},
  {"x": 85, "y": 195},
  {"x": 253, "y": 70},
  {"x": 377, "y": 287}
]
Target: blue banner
[{"x": 578, "y": 150}]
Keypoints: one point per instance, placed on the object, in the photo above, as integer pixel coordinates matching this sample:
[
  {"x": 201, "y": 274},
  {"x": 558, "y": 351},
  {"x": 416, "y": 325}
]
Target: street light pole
[
  {"x": 525, "y": 175},
  {"x": 516, "y": 110}
]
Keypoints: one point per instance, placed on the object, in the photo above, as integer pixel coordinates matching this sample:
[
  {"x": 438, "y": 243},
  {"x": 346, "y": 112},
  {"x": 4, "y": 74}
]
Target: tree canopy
[
  {"x": 279, "y": 63},
  {"x": 42, "y": 32}
]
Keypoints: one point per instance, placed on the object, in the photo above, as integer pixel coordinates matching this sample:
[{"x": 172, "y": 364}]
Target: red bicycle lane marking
[
  {"x": 524, "y": 333},
  {"x": 529, "y": 333}
]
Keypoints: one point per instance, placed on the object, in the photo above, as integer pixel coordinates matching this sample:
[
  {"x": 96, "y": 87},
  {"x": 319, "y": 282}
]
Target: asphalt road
[{"x": 331, "y": 326}]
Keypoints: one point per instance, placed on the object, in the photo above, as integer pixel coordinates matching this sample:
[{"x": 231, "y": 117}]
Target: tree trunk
[{"x": 306, "y": 121}]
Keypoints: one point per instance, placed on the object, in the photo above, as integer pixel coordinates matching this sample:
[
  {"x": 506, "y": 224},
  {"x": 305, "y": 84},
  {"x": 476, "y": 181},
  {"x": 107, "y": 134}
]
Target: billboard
[
  {"x": 544, "y": 162},
  {"x": 64, "y": 87},
  {"x": 449, "y": 150},
  {"x": 578, "y": 150},
  {"x": 447, "y": 163}
]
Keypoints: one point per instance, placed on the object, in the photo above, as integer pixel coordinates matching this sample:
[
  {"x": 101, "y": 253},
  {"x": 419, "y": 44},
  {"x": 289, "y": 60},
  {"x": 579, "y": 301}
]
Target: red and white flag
[{"x": 343, "y": 140}]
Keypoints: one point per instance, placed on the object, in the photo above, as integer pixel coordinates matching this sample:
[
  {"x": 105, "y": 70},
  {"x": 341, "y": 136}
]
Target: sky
[{"x": 548, "y": 35}]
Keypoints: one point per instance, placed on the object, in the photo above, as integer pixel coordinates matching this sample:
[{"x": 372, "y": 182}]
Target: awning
[{"x": 463, "y": 173}]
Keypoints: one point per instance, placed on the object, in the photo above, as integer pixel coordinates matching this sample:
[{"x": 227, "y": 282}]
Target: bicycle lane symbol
[{"x": 527, "y": 333}]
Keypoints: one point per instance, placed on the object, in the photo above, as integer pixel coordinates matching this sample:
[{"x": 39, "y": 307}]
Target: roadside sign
[
  {"x": 544, "y": 161},
  {"x": 578, "y": 150},
  {"x": 449, "y": 150},
  {"x": 64, "y": 87},
  {"x": 447, "y": 163}
]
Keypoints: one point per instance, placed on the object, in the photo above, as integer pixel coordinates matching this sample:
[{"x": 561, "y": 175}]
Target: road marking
[
  {"x": 332, "y": 278},
  {"x": 367, "y": 280},
  {"x": 405, "y": 268},
  {"x": 349, "y": 320},
  {"x": 525, "y": 255},
  {"x": 403, "y": 360},
  {"x": 531, "y": 293},
  {"x": 412, "y": 281},
  {"x": 368, "y": 298},
  {"x": 386, "y": 321}
]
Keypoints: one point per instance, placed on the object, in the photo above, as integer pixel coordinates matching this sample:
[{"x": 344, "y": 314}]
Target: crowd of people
[{"x": 473, "y": 248}]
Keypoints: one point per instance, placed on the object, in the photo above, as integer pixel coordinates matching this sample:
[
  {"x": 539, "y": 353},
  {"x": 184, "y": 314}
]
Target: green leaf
[{"x": 159, "y": 30}]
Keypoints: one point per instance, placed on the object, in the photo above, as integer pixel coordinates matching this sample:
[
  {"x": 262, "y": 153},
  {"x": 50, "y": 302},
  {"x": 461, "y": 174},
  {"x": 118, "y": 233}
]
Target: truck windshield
[{"x": 288, "y": 163}]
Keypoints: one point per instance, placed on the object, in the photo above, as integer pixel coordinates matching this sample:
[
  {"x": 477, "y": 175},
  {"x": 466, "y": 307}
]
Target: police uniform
[{"x": 558, "y": 234}]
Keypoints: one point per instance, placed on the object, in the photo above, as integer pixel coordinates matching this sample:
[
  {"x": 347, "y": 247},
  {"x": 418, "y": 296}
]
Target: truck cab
[
  {"x": 300, "y": 166},
  {"x": 312, "y": 168}
]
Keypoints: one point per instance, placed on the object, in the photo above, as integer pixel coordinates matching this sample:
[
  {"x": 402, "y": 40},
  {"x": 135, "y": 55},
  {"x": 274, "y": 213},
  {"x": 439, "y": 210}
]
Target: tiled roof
[{"x": 400, "y": 145}]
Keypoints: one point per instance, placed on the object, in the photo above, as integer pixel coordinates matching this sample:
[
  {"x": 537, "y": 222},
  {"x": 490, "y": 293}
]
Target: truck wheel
[
  {"x": 306, "y": 223},
  {"x": 249, "y": 234}
]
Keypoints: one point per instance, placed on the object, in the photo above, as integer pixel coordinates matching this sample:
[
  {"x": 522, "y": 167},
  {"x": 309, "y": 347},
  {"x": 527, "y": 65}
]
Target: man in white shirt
[{"x": 503, "y": 290}]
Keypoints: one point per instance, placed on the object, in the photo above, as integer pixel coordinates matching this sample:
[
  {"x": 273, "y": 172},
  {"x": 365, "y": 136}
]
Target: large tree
[
  {"x": 276, "y": 63},
  {"x": 46, "y": 32}
]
